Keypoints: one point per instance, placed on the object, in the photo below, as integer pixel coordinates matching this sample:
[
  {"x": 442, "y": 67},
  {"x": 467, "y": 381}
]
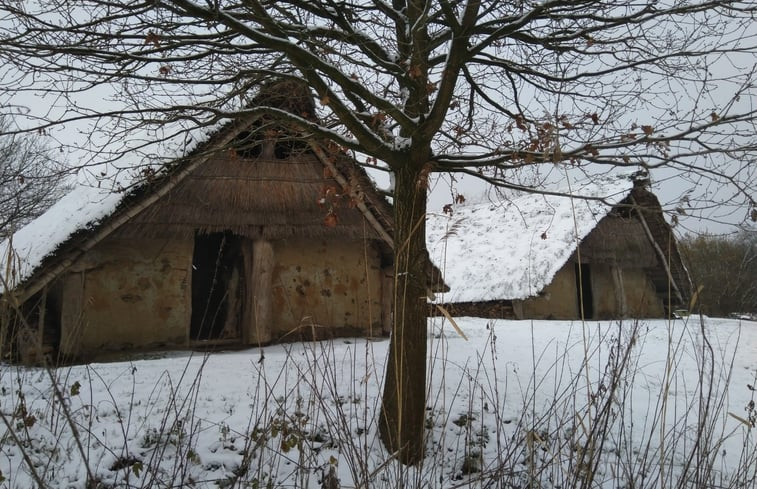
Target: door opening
[
  {"x": 583, "y": 291},
  {"x": 217, "y": 287}
]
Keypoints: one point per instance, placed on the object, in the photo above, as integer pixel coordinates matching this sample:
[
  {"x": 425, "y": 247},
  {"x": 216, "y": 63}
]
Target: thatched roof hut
[
  {"x": 611, "y": 255},
  {"x": 254, "y": 236}
]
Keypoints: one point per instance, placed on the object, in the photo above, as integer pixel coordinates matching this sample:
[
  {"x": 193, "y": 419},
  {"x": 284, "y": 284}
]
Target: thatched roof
[
  {"x": 261, "y": 198},
  {"x": 512, "y": 250},
  {"x": 672, "y": 271},
  {"x": 312, "y": 191}
]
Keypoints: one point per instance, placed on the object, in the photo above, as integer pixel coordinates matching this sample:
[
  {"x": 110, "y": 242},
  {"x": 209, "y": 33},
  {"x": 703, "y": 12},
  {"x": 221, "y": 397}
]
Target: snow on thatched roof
[
  {"x": 87, "y": 204},
  {"x": 513, "y": 249},
  {"x": 80, "y": 209}
]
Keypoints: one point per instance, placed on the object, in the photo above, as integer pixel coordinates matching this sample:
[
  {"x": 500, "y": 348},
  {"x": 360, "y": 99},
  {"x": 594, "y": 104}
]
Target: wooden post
[
  {"x": 36, "y": 352},
  {"x": 518, "y": 309},
  {"x": 73, "y": 314},
  {"x": 620, "y": 291},
  {"x": 387, "y": 299},
  {"x": 262, "y": 285},
  {"x": 41, "y": 320}
]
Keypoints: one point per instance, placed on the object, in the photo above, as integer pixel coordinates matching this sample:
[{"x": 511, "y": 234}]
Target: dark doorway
[
  {"x": 583, "y": 291},
  {"x": 217, "y": 287}
]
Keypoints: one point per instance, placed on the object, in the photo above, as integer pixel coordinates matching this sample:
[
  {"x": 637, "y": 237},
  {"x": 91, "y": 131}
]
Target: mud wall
[
  {"x": 615, "y": 292},
  {"x": 605, "y": 292},
  {"x": 326, "y": 288},
  {"x": 642, "y": 300},
  {"x": 137, "y": 295},
  {"x": 625, "y": 292},
  {"x": 127, "y": 294},
  {"x": 558, "y": 300}
]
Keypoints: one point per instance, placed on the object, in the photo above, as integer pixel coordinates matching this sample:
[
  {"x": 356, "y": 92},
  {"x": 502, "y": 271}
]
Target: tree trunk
[{"x": 401, "y": 423}]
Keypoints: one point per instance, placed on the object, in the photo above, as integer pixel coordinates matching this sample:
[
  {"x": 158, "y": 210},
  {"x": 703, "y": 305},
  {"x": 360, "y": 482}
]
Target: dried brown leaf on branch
[
  {"x": 153, "y": 38},
  {"x": 331, "y": 220}
]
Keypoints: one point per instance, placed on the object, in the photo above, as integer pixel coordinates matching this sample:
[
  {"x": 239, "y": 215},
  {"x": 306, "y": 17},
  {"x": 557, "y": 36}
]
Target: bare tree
[
  {"x": 30, "y": 180},
  {"x": 481, "y": 87}
]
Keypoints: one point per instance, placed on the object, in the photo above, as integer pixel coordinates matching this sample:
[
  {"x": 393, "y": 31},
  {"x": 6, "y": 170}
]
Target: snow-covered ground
[{"x": 515, "y": 405}]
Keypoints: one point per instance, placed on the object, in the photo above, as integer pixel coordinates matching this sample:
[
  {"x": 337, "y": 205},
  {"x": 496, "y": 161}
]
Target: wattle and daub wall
[{"x": 247, "y": 250}]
